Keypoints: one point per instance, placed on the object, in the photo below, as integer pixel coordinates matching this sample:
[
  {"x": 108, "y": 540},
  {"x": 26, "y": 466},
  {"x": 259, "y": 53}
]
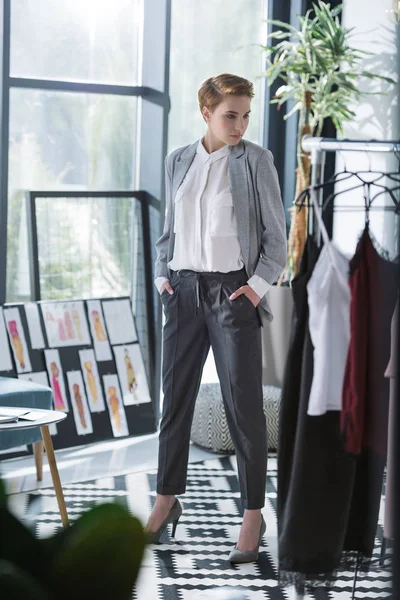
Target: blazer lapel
[
  {"x": 182, "y": 166},
  {"x": 240, "y": 197}
]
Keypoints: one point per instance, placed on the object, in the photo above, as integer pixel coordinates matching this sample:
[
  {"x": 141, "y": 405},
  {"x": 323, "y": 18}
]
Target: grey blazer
[{"x": 258, "y": 208}]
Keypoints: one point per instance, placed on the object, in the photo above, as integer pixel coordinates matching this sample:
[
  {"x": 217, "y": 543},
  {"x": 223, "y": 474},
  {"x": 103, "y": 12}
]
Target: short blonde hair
[{"x": 214, "y": 89}]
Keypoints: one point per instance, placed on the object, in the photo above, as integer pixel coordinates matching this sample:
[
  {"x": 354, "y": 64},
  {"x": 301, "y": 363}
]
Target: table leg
[
  {"x": 48, "y": 444},
  {"x": 38, "y": 452}
]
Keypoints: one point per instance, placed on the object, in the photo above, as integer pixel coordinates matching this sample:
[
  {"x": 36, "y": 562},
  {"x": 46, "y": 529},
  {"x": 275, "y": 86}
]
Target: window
[
  {"x": 61, "y": 140},
  {"x": 95, "y": 41},
  {"x": 207, "y": 38}
]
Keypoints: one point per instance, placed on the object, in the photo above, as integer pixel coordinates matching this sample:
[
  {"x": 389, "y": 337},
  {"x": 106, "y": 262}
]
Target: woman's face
[{"x": 229, "y": 120}]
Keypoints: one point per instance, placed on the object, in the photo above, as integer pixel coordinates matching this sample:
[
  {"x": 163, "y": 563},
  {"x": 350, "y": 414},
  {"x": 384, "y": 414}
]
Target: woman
[{"x": 223, "y": 246}]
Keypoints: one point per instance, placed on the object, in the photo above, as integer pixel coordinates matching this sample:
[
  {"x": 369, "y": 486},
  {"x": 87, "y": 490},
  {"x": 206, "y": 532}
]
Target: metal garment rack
[{"x": 318, "y": 147}]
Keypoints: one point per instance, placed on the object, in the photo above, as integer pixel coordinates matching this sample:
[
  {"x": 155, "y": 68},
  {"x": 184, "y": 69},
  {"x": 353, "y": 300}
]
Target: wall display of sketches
[
  {"x": 17, "y": 339},
  {"x": 98, "y": 330},
  {"x": 132, "y": 375},
  {"x": 119, "y": 320},
  {"x": 90, "y": 372},
  {"x": 67, "y": 346},
  {"x": 83, "y": 420},
  {"x": 5, "y": 354},
  {"x": 66, "y": 324}
]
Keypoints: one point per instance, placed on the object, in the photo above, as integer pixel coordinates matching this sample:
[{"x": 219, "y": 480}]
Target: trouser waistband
[
  {"x": 206, "y": 277},
  {"x": 212, "y": 275}
]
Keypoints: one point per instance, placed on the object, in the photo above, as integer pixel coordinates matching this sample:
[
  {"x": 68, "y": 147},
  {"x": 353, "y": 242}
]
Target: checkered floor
[{"x": 194, "y": 564}]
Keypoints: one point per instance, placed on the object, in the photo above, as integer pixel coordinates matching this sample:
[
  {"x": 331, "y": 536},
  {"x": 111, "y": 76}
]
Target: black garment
[
  {"x": 314, "y": 473},
  {"x": 328, "y": 500},
  {"x": 198, "y": 314}
]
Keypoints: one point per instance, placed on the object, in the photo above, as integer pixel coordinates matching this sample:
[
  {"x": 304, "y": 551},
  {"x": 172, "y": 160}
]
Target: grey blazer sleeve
[
  {"x": 273, "y": 254},
  {"x": 161, "y": 268}
]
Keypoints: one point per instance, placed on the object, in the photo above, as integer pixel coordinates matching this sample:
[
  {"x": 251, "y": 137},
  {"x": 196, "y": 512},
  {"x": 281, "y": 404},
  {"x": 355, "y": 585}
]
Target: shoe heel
[{"x": 174, "y": 525}]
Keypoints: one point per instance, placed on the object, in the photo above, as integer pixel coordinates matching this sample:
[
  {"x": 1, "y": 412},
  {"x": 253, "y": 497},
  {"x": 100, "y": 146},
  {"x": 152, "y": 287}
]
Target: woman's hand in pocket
[
  {"x": 249, "y": 292},
  {"x": 167, "y": 286}
]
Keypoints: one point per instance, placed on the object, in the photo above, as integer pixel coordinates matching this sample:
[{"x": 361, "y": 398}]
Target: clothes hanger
[
  {"x": 367, "y": 203},
  {"x": 396, "y": 202},
  {"x": 365, "y": 185},
  {"x": 335, "y": 178},
  {"x": 345, "y": 174},
  {"x": 301, "y": 199}
]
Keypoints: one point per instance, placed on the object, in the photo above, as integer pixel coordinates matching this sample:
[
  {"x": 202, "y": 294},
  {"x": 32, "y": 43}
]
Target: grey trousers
[{"x": 200, "y": 314}]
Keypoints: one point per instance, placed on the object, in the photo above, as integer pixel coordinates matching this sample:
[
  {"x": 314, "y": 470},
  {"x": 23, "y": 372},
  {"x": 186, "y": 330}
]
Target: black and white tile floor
[{"x": 194, "y": 564}]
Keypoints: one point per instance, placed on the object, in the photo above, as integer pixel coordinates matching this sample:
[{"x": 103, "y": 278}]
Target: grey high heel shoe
[
  {"x": 153, "y": 537},
  {"x": 237, "y": 556}
]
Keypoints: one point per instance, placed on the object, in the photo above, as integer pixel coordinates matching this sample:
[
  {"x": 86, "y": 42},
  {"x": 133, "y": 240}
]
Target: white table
[{"x": 46, "y": 418}]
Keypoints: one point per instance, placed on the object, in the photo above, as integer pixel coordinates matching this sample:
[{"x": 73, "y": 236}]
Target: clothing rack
[{"x": 318, "y": 147}]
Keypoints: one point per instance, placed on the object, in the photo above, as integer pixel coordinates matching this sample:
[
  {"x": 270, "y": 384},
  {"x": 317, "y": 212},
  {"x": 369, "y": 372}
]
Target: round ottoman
[{"x": 210, "y": 428}]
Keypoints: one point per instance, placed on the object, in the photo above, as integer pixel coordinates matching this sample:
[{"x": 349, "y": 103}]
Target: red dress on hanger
[{"x": 364, "y": 416}]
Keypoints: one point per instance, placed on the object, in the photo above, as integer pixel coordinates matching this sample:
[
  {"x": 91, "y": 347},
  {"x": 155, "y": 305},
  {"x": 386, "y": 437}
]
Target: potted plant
[
  {"x": 320, "y": 72},
  {"x": 97, "y": 557}
]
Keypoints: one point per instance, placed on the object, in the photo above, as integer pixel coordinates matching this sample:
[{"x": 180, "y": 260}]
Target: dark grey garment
[{"x": 200, "y": 314}]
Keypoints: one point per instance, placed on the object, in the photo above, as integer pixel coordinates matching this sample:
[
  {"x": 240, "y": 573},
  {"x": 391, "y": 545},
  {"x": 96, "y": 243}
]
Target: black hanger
[
  {"x": 304, "y": 196},
  {"x": 346, "y": 174}
]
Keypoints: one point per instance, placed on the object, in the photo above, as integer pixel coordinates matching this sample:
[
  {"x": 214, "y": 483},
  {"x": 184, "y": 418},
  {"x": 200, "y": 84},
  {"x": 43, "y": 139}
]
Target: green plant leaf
[
  {"x": 280, "y": 24},
  {"x": 3, "y": 494},
  {"x": 17, "y": 584},
  {"x": 278, "y": 35},
  {"x": 381, "y": 77},
  {"x": 296, "y": 108},
  {"x": 20, "y": 547},
  {"x": 101, "y": 555}
]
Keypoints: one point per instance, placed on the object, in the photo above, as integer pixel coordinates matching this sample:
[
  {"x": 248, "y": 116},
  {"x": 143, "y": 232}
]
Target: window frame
[{"x": 157, "y": 15}]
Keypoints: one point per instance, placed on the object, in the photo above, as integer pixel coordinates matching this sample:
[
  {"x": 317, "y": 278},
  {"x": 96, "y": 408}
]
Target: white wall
[{"x": 378, "y": 117}]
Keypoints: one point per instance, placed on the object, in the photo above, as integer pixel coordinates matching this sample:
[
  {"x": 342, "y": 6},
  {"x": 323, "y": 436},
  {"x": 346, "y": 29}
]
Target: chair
[{"x": 25, "y": 394}]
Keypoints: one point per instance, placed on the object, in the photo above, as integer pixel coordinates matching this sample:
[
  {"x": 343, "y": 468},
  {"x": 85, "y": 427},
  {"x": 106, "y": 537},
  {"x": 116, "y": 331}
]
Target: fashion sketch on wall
[
  {"x": 56, "y": 377},
  {"x": 115, "y": 406},
  {"x": 5, "y": 354},
  {"x": 66, "y": 324},
  {"x": 98, "y": 330},
  {"x": 34, "y": 325},
  {"x": 17, "y": 340},
  {"x": 91, "y": 377},
  {"x": 119, "y": 320},
  {"x": 132, "y": 375},
  {"x": 83, "y": 420}
]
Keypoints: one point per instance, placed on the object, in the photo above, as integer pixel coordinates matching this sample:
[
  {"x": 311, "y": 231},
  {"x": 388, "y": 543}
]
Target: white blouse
[
  {"x": 329, "y": 298},
  {"x": 206, "y": 237}
]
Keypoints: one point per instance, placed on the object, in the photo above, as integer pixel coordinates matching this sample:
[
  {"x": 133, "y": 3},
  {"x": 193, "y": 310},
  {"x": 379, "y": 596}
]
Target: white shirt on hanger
[
  {"x": 206, "y": 237},
  {"x": 329, "y": 298}
]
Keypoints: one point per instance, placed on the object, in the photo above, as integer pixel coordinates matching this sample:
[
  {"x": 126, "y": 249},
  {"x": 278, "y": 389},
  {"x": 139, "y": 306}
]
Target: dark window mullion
[
  {"x": 150, "y": 94},
  {"x": 4, "y": 134}
]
